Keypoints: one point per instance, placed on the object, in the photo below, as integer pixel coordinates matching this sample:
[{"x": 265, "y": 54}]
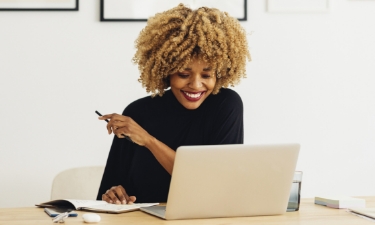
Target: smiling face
[{"x": 193, "y": 85}]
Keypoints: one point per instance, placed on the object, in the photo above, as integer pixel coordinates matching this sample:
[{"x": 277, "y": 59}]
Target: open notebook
[{"x": 93, "y": 206}]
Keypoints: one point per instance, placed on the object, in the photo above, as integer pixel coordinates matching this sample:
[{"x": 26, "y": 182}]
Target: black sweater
[{"x": 218, "y": 120}]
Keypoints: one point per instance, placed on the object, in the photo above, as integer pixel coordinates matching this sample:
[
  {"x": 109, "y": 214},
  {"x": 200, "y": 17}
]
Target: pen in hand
[
  {"x": 128, "y": 138},
  {"x": 101, "y": 115}
]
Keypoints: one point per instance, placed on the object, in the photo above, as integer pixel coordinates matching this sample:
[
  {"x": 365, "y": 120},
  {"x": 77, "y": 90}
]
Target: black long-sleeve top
[{"x": 218, "y": 120}]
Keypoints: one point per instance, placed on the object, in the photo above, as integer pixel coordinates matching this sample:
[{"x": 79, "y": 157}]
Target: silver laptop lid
[{"x": 231, "y": 180}]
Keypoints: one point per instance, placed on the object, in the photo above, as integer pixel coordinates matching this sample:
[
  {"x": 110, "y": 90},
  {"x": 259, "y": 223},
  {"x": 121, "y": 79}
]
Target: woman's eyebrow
[{"x": 204, "y": 69}]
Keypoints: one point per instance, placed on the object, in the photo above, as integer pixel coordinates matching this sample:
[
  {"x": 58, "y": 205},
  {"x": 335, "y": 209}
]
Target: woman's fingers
[
  {"x": 125, "y": 127},
  {"x": 128, "y": 199},
  {"x": 115, "y": 121},
  {"x": 108, "y": 116},
  {"x": 117, "y": 195},
  {"x": 121, "y": 195},
  {"x": 131, "y": 199},
  {"x": 106, "y": 198},
  {"x": 117, "y": 125},
  {"x": 109, "y": 197},
  {"x": 114, "y": 197},
  {"x": 120, "y": 132}
]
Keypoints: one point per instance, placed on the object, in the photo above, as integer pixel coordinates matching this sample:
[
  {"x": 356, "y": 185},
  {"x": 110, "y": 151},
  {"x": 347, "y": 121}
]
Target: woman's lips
[{"x": 193, "y": 96}]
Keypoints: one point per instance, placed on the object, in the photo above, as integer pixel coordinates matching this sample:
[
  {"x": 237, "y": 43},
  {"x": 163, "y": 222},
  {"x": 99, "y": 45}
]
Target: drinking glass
[{"x": 295, "y": 192}]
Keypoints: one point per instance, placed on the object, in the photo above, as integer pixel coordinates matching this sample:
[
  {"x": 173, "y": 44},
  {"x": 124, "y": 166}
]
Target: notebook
[
  {"x": 229, "y": 181},
  {"x": 92, "y": 205},
  {"x": 340, "y": 202}
]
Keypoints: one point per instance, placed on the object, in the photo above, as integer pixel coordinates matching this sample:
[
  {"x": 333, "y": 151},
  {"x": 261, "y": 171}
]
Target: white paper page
[
  {"x": 113, "y": 207},
  {"x": 86, "y": 203}
]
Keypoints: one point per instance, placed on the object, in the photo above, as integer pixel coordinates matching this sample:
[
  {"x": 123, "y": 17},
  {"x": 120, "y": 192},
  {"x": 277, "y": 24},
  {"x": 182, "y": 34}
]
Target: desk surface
[{"x": 309, "y": 213}]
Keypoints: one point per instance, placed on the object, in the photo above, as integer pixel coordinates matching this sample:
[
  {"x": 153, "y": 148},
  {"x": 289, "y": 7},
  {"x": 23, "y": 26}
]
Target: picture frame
[
  {"x": 298, "y": 6},
  {"x": 140, "y": 10},
  {"x": 39, "y": 5}
]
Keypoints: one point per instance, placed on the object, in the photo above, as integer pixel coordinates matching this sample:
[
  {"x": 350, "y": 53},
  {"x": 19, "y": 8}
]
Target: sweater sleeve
[
  {"x": 118, "y": 164},
  {"x": 228, "y": 127}
]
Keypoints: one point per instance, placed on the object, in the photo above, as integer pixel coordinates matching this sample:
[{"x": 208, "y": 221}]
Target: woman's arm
[
  {"x": 123, "y": 125},
  {"x": 117, "y": 166},
  {"x": 162, "y": 153}
]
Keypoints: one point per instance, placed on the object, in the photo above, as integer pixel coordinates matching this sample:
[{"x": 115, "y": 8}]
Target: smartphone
[{"x": 53, "y": 212}]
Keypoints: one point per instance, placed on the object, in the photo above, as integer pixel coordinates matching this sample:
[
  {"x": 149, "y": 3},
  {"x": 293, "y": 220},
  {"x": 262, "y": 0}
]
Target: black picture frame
[
  {"x": 125, "y": 18},
  {"x": 28, "y": 6}
]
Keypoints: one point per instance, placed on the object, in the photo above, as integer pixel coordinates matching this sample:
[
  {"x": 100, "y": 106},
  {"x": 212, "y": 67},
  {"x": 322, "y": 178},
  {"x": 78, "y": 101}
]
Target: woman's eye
[
  {"x": 182, "y": 75},
  {"x": 206, "y": 76}
]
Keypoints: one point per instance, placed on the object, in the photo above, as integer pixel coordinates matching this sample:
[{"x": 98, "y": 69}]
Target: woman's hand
[
  {"x": 117, "y": 195},
  {"x": 123, "y": 125}
]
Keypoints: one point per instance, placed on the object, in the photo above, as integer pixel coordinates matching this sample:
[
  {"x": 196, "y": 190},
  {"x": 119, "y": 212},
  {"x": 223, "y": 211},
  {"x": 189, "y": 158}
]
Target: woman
[{"x": 197, "y": 53}]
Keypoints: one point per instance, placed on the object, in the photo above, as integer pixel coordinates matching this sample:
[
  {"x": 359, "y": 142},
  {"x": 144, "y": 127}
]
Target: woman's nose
[{"x": 195, "y": 82}]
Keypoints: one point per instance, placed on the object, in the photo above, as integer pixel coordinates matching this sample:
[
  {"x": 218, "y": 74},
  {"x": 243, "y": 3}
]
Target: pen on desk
[{"x": 128, "y": 138}]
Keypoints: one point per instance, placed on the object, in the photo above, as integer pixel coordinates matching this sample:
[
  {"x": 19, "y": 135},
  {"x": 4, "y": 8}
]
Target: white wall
[{"x": 311, "y": 81}]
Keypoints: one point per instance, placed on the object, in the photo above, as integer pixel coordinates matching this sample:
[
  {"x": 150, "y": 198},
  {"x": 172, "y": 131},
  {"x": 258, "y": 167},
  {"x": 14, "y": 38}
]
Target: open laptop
[{"x": 229, "y": 181}]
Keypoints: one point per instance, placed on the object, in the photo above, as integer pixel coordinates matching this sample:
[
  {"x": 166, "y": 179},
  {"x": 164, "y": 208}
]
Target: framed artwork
[
  {"x": 140, "y": 10},
  {"x": 295, "y": 6},
  {"x": 38, "y": 5}
]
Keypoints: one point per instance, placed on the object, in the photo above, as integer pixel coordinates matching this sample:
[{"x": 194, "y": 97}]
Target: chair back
[{"x": 77, "y": 183}]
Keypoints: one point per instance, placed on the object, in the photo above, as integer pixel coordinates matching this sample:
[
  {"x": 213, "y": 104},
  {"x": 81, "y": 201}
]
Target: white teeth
[{"x": 193, "y": 95}]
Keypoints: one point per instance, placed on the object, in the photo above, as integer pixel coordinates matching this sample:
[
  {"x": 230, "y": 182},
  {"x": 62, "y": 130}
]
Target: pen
[
  {"x": 128, "y": 138},
  {"x": 101, "y": 115}
]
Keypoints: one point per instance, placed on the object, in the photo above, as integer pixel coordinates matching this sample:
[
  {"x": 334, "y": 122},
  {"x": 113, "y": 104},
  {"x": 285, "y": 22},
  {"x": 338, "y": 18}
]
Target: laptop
[{"x": 214, "y": 181}]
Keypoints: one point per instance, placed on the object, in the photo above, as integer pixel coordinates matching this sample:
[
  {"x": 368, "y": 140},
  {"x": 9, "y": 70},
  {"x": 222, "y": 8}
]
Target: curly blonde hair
[{"x": 172, "y": 39}]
